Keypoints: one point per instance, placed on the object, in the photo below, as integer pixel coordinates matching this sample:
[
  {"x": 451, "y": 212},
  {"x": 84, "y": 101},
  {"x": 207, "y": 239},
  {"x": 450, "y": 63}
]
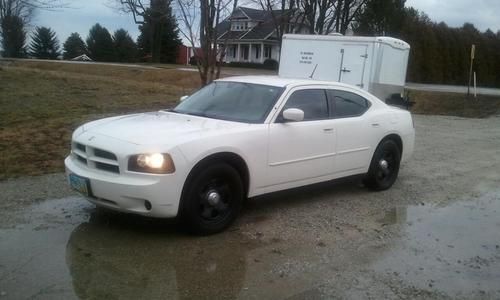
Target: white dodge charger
[{"x": 237, "y": 137}]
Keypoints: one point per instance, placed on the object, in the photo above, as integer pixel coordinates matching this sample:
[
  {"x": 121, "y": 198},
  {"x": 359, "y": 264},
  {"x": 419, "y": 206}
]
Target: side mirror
[
  {"x": 183, "y": 98},
  {"x": 293, "y": 114}
]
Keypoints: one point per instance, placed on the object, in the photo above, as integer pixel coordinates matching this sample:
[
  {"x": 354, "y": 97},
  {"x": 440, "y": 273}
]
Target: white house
[{"x": 250, "y": 35}]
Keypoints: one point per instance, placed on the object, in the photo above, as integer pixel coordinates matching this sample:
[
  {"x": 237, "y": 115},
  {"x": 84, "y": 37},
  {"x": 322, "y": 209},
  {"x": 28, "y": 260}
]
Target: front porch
[{"x": 251, "y": 52}]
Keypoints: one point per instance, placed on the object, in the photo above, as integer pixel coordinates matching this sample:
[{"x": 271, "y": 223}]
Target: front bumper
[{"x": 129, "y": 191}]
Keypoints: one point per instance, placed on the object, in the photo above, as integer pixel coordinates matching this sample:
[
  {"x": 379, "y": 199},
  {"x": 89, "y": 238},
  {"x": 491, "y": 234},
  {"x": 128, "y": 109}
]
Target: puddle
[
  {"x": 454, "y": 249},
  {"x": 69, "y": 249}
]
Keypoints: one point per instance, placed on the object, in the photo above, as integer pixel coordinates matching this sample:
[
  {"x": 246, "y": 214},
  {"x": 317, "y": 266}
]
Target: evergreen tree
[
  {"x": 74, "y": 46},
  {"x": 159, "y": 37},
  {"x": 100, "y": 44},
  {"x": 439, "y": 53},
  {"x": 381, "y": 17},
  {"x": 125, "y": 47},
  {"x": 13, "y": 37},
  {"x": 44, "y": 44}
]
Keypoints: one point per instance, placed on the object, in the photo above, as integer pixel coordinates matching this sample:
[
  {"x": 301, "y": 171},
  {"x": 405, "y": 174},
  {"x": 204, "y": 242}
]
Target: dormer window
[{"x": 240, "y": 25}]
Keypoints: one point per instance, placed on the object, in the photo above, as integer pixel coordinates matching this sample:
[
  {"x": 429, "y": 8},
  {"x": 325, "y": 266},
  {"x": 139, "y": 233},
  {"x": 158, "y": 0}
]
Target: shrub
[
  {"x": 271, "y": 64},
  {"x": 193, "y": 61}
]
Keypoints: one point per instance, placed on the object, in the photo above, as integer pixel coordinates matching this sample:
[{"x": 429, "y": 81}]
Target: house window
[
  {"x": 240, "y": 26},
  {"x": 267, "y": 51}
]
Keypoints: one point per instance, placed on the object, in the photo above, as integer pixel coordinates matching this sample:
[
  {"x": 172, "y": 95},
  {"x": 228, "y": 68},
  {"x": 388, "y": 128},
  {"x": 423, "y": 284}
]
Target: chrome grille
[{"x": 96, "y": 158}]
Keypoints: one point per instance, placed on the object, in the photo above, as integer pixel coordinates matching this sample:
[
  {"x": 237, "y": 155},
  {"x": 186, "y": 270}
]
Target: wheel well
[
  {"x": 397, "y": 139},
  {"x": 232, "y": 159}
]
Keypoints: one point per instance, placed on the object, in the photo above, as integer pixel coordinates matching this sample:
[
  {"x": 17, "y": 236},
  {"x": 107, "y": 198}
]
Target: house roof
[
  {"x": 264, "y": 29},
  {"x": 254, "y": 14}
]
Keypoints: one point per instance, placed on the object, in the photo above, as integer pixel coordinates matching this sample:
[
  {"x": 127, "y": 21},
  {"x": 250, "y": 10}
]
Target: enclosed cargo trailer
[{"x": 375, "y": 64}]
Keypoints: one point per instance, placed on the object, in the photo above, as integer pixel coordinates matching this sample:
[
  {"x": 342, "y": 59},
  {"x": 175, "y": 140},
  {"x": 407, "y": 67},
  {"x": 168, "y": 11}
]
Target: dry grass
[
  {"x": 42, "y": 103},
  {"x": 434, "y": 103}
]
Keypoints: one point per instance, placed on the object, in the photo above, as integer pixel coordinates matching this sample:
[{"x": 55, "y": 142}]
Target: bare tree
[
  {"x": 282, "y": 13},
  {"x": 25, "y": 8},
  {"x": 345, "y": 13},
  {"x": 317, "y": 16},
  {"x": 200, "y": 20}
]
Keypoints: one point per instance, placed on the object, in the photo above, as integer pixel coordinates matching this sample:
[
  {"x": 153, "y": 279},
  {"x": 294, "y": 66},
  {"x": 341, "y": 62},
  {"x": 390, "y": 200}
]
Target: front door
[
  {"x": 244, "y": 52},
  {"x": 305, "y": 149}
]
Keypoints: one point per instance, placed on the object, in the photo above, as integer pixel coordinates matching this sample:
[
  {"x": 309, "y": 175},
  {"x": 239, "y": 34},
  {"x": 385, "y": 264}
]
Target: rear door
[
  {"x": 355, "y": 132},
  {"x": 353, "y": 59}
]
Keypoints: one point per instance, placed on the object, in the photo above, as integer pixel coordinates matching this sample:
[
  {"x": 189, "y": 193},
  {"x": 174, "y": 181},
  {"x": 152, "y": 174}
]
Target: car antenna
[{"x": 314, "y": 70}]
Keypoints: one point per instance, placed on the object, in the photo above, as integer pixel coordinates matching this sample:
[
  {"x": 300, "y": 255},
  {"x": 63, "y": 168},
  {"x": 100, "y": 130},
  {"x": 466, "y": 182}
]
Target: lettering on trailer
[{"x": 306, "y": 57}]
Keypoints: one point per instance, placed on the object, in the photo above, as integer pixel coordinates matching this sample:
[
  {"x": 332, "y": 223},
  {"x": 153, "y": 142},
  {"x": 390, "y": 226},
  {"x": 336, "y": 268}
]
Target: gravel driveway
[{"x": 435, "y": 234}]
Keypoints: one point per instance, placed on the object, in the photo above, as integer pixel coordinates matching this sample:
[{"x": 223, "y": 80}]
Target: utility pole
[{"x": 472, "y": 55}]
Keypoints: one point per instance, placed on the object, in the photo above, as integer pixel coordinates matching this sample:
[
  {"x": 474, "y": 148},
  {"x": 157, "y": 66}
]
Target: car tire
[
  {"x": 384, "y": 167},
  {"x": 212, "y": 199}
]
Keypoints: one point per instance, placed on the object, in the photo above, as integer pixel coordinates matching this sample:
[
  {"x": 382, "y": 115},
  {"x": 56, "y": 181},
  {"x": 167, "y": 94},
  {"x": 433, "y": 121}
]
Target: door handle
[
  {"x": 328, "y": 129},
  {"x": 375, "y": 124}
]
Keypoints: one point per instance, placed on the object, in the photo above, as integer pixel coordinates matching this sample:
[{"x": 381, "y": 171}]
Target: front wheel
[
  {"x": 384, "y": 167},
  {"x": 212, "y": 199}
]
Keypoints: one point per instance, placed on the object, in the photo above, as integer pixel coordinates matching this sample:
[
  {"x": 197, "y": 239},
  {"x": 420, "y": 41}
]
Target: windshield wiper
[{"x": 197, "y": 114}]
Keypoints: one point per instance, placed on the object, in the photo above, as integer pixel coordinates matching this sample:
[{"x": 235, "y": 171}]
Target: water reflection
[
  {"x": 396, "y": 215},
  {"x": 453, "y": 248},
  {"x": 106, "y": 261}
]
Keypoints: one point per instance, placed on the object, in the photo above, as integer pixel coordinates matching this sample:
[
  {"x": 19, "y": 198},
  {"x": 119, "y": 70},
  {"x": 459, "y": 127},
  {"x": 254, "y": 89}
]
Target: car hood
[{"x": 158, "y": 127}]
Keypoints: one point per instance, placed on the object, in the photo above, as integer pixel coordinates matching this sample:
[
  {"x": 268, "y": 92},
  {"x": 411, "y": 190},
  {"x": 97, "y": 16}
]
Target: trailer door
[{"x": 353, "y": 59}]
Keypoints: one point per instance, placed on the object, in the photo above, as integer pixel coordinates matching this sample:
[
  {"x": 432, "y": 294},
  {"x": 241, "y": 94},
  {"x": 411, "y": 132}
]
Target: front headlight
[{"x": 157, "y": 163}]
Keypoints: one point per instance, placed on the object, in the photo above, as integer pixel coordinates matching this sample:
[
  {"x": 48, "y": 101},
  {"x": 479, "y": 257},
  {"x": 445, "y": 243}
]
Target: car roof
[{"x": 283, "y": 81}]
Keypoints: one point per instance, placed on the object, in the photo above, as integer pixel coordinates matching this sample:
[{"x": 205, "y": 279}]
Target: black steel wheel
[
  {"x": 384, "y": 167},
  {"x": 212, "y": 199}
]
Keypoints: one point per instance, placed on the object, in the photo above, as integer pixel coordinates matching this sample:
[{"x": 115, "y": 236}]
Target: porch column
[
  {"x": 238, "y": 53},
  {"x": 261, "y": 53},
  {"x": 249, "y": 52}
]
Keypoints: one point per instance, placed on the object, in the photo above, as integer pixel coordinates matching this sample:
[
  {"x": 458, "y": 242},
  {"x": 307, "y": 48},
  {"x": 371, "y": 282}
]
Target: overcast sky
[
  {"x": 482, "y": 13},
  {"x": 82, "y": 16}
]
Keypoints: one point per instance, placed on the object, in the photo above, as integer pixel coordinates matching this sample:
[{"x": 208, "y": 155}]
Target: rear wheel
[
  {"x": 384, "y": 167},
  {"x": 212, "y": 199}
]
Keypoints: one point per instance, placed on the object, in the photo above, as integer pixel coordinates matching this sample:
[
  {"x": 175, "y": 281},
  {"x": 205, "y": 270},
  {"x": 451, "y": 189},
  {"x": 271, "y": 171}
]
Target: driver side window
[{"x": 313, "y": 102}]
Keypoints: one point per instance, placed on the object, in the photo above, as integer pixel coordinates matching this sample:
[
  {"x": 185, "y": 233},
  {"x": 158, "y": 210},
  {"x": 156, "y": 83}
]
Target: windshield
[{"x": 234, "y": 101}]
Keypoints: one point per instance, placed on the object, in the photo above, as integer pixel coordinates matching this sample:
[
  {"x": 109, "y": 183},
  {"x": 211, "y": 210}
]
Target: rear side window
[
  {"x": 313, "y": 102},
  {"x": 346, "y": 104}
]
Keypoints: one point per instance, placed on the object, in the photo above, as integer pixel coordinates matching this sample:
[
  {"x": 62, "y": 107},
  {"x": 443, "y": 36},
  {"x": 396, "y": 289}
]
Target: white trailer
[{"x": 375, "y": 64}]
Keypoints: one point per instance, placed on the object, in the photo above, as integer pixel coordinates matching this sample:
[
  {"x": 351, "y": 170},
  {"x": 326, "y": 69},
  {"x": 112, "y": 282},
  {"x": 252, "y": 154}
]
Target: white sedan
[{"x": 237, "y": 137}]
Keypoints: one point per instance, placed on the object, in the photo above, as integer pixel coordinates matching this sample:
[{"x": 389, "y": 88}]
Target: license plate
[{"x": 80, "y": 184}]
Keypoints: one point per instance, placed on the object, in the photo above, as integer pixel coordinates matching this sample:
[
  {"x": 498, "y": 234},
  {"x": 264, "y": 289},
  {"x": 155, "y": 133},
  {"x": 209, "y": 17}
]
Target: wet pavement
[
  {"x": 435, "y": 234},
  {"x": 454, "y": 249}
]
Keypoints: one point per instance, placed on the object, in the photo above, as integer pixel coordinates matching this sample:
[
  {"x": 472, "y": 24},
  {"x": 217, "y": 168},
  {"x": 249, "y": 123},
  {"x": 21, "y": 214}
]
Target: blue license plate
[{"x": 80, "y": 184}]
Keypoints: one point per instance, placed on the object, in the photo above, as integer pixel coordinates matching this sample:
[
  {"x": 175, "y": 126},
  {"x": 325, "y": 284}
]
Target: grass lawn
[
  {"x": 435, "y": 103},
  {"x": 41, "y": 103}
]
